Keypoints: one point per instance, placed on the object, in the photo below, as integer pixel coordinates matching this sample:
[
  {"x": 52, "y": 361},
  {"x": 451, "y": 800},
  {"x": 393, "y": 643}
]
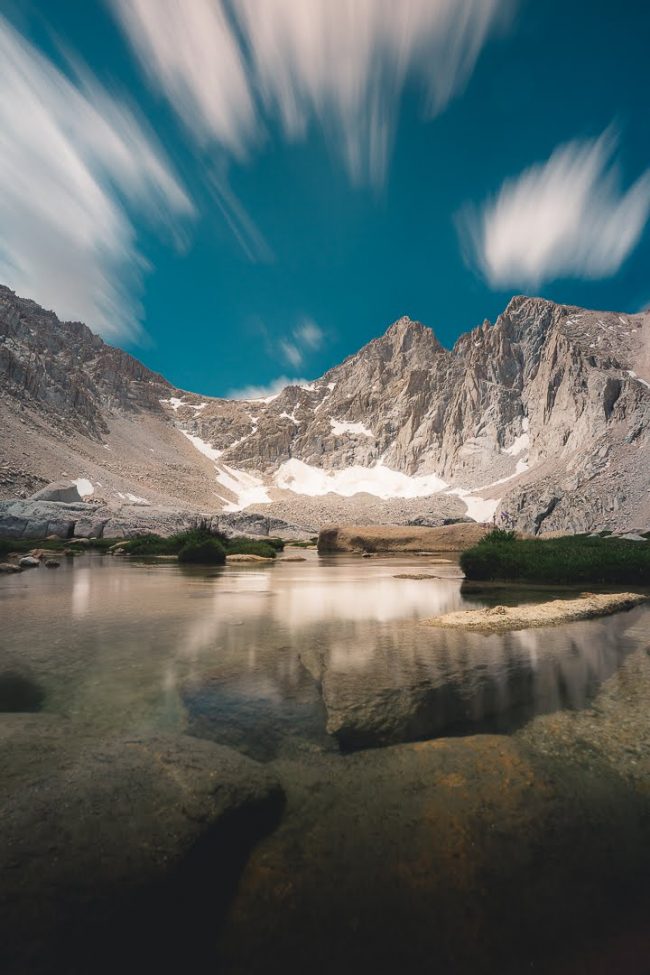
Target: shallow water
[
  {"x": 412, "y": 837},
  {"x": 324, "y": 653}
]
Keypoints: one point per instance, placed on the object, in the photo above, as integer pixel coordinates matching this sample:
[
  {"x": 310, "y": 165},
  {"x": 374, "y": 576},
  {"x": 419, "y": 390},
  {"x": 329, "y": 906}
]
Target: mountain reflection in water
[{"x": 326, "y": 653}]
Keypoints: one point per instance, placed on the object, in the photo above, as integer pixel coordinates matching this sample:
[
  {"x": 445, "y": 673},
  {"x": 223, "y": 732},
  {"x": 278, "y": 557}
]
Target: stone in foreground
[{"x": 110, "y": 846}]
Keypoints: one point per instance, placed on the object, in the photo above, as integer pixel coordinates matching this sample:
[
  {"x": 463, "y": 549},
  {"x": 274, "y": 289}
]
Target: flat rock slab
[
  {"x": 500, "y": 618},
  {"x": 247, "y": 558},
  {"x": 399, "y": 538},
  {"x": 113, "y": 835}
]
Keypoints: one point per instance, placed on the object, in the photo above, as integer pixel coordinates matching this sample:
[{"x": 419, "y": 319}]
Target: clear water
[
  {"x": 457, "y": 853},
  {"x": 323, "y": 654}
]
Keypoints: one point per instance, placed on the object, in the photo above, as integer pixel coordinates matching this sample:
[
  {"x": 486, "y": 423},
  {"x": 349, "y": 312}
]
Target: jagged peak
[{"x": 409, "y": 330}]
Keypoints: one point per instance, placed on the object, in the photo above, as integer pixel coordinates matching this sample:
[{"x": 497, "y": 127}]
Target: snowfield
[{"x": 294, "y": 475}]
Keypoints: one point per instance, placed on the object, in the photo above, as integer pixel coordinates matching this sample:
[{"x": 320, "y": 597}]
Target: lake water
[
  {"x": 324, "y": 669},
  {"x": 327, "y": 653}
]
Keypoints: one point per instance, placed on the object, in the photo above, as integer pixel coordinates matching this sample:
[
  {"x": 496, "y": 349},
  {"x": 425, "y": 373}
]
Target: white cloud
[
  {"x": 70, "y": 158},
  {"x": 343, "y": 63},
  {"x": 566, "y": 217},
  {"x": 270, "y": 390},
  {"x": 291, "y": 352},
  {"x": 191, "y": 52},
  {"x": 309, "y": 334}
]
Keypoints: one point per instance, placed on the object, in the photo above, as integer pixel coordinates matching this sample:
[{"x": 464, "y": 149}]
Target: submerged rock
[
  {"x": 417, "y": 684},
  {"x": 19, "y": 691},
  {"x": 111, "y": 848},
  {"x": 9, "y": 567}
]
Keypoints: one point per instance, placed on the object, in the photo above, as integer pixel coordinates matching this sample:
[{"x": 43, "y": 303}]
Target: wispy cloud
[
  {"x": 263, "y": 392},
  {"x": 291, "y": 352},
  {"x": 72, "y": 160},
  {"x": 306, "y": 337},
  {"x": 230, "y": 66},
  {"x": 309, "y": 334},
  {"x": 567, "y": 217}
]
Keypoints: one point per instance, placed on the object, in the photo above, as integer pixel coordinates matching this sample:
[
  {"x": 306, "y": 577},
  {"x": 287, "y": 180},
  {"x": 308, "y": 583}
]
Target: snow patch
[
  {"x": 133, "y": 498},
  {"x": 479, "y": 509},
  {"x": 380, "y": 481},
  {"x": 341, "y": 426},
  {"x": 84, "y": 486},
  {"x": 519, "y": 444},
  {"x": 247, "y": 488},
  {"x": 633, "y": 375},
  {"x": 173, "y": 401},
  {"x": 201, "y": 445}
]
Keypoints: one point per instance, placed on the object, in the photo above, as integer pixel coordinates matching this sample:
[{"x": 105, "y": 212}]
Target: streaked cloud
[
  {"x": 567, "y": 217},
  {"x": 230, "y": 66},
  {"x": 73, "y": 162},
  {"x": 291, "y": 352},
  {"x": 271, "y": 389}
]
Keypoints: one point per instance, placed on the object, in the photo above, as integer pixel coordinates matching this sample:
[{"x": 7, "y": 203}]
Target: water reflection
[{"x": 307, "y": 655}]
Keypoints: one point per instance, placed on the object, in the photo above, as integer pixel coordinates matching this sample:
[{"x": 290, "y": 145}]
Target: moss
[{"x": 571, "y": 559}]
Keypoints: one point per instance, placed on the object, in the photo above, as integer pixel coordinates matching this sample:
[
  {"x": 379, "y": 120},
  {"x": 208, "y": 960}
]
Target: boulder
[
  {"x": 399, "y": 538},
  {"x": 51, "y": 564},
  {"x": 66, "y": 491},
  {"x": 9, "y": 567},
  {"x": 122, "y": 848},
  {"x": 29, "y": 562}
]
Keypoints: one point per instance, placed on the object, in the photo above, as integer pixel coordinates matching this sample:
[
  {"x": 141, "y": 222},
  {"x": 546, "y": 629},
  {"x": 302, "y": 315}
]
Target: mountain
[{"x": 541, "y": 419}]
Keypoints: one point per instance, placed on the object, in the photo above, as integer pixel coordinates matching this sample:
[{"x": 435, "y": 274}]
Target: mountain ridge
[{"x": 543, "y": 415}]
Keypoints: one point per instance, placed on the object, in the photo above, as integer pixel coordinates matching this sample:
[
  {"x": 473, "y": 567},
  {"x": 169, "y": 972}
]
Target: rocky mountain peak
[{"x": 545, "y": 413}]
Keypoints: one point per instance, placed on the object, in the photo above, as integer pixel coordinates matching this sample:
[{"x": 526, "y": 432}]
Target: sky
[{"x": 241, "y": 193}]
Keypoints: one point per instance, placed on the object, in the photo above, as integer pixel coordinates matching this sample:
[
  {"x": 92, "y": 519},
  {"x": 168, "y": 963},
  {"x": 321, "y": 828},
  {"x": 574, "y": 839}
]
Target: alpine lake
[{"x": 452, "y": 802}]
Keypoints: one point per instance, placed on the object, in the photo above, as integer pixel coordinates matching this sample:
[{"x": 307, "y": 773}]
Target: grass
[
  {"x": 208, "y": 551},
  {"x": 301, "y": 543},
  {"x": 572, "y": 559},
  {"x": 8, "y": 545},
  {"x": 152, "y": 545}
]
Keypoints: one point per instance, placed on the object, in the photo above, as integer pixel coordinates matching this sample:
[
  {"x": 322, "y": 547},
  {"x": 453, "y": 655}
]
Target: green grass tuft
[
  {"x": 567, "y": 560},
  {"x": 250, "y": 546},
  {"x": 208, "y": 551}
]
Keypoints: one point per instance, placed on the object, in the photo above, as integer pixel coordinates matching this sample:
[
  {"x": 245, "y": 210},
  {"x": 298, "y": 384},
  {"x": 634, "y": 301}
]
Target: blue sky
[{"x": 239, "y": 191}]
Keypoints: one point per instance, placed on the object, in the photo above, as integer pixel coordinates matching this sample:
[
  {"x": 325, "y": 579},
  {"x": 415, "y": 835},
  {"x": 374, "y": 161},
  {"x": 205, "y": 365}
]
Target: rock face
[
  {"x": 543, "y": 416},
  {"x": 41, "y": 519}
]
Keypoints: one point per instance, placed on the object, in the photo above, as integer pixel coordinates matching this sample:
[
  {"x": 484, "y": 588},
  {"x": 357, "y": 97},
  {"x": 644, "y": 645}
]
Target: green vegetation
[
  {"x": 301, "y": 543},
  {"x": 572, "y": 559},
  {"x": 75, "y": 545},
  {"x": 153, "y": 545},
  {"x": 250, "y": 546},
  {"x": 209, "y": 551},
  {"x": 150, "y": 546}
]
